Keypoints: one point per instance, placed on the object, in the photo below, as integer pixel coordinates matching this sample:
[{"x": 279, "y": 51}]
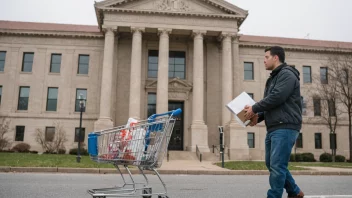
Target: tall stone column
[
  {"x": 239, "y": 149},
  {"x": 136, "y": 68},
  {"x": 199, "y": 131},
  {"x": 162, "y": 100},
  {"x": 226, "y": 76},
  {"x": 105, "y": 120}
]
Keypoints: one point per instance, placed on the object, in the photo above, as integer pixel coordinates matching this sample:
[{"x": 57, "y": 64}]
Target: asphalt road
[{"x": 43, "y": 185}]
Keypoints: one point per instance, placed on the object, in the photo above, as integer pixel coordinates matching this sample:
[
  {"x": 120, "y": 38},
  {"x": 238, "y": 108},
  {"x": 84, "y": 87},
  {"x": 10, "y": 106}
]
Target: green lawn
[
  {"x": 48, "y": 160},
  {"x": 53, "y": 160},
  {"x": 325, "y": 164},
  {"x": 250, "y": 165}
]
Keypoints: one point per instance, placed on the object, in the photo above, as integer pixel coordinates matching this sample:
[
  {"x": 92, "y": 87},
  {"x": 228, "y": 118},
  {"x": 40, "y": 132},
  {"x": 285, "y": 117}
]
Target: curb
[{"x": 161, "y": 171}]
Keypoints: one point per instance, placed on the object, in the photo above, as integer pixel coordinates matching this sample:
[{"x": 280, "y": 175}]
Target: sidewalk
[{"x": 180, "y": 167}]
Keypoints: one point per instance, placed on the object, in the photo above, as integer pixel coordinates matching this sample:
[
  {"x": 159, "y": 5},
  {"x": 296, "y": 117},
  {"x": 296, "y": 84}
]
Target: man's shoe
[{"x": 300, "y": 195}]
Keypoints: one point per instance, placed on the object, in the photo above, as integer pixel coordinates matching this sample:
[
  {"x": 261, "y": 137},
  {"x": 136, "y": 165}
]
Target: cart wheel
[
  {"x": 99, "y": 197},
  {"x": 163, "y": 196},
  {"x": 147, "y": 191}
]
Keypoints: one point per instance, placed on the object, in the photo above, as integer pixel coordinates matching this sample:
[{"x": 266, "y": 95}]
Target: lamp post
[{"x": 82, "y": 105}]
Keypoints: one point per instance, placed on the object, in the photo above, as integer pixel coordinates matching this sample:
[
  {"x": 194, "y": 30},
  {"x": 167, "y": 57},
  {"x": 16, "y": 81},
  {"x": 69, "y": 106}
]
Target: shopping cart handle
[{"x": 172, "y": 113}]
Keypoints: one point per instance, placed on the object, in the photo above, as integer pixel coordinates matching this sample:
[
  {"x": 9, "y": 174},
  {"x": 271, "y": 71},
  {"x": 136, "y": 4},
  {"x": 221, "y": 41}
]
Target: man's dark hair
[{"x": 278, "y": 51}]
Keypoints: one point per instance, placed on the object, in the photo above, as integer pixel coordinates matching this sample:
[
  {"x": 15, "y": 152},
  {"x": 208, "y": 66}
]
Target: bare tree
[
  {"x": 340, "y": 71},
  {"x": 4, "y": 129},
  {"x": 52, "y": 143},
  {"x": 325, "y": 103}
]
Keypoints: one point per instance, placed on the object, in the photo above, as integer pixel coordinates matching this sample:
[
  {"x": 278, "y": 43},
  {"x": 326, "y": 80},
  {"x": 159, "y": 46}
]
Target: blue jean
[{"x": 278, "y": 146}]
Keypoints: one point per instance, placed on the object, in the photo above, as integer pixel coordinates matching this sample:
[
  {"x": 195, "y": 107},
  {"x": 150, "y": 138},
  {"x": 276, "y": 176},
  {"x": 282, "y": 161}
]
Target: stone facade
[{"x": 117, "y": 82}]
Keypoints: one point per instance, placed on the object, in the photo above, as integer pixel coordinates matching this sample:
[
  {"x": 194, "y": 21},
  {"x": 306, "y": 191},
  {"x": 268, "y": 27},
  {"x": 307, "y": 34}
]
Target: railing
[{"x": 198, "y": 153}]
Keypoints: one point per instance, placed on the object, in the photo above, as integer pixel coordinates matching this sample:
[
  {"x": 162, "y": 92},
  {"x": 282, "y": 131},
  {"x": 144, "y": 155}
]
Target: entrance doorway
[{"x": 176, "y": 140}]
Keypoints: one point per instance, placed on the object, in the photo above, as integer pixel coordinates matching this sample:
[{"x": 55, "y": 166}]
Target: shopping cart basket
[{"x": 142, "y": 144}]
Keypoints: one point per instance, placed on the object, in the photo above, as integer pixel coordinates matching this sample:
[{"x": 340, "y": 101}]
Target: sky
[{"x": 310, "y": 19}]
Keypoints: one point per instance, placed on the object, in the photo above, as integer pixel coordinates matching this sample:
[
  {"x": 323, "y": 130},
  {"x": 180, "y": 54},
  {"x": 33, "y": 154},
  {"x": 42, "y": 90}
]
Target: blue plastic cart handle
[{"x": 172, "y": 113}]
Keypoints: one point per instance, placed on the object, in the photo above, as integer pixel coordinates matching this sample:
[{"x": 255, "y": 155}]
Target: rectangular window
[
  {"x": 250, "y": 138},
  {"x": 51, "y": 103},
  {"x": 23, "y": 98},
  {"x": 83, "y": 134},
  {"x": 307, "y": 74},
  {"x": 80, "y": 94},
  {"x": 324, "y": 75},
  {"x": 55, "y": 63},
  {"x": 344, "y": 76},
  {"x": 19, "y": 133},
  {"x": 318, "y": 144},
  {"x": 151, "y": 104},
  {"x": 49, "y": 134},
  {"x": 299, "y": 141},
  {"x": 317, "y": 107},
  {"x": 177, "y": 64},
  {"x": 251, "y": 95},
  {"x": 153, "y": 63},
  {"x": 248, "y": 71},
  {"x": 2, "y": 61},
  {"x": 332, "y": 108},
  {"x": 83, "y": 64},
  {"x": 27, "y": 62},
  {"x": 0, "y": 93}
]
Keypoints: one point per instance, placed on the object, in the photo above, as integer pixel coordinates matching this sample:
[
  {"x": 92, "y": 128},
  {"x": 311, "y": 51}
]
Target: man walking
[{"x": 281, "y": 108}]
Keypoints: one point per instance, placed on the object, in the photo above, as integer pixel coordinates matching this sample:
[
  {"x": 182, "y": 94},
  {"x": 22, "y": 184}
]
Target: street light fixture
[{"x": 82, "y": 106}]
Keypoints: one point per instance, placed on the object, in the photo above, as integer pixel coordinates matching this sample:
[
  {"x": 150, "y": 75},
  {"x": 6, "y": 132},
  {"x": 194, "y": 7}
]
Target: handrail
[{"x": 198, "y": 153}]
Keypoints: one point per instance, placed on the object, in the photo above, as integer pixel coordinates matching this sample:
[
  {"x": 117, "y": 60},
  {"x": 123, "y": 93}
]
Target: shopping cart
[{"x": 142, "y": 144}]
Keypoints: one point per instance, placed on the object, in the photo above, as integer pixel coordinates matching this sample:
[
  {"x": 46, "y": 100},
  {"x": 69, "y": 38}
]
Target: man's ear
[{"x": 276, "y": 57}]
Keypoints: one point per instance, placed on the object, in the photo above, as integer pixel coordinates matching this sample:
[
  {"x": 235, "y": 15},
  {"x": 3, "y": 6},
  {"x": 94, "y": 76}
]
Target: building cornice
[
  {"x": 297, "y": 48},
  {"x": 52, "y": 34},
  {"x": 229, "y": 16}
]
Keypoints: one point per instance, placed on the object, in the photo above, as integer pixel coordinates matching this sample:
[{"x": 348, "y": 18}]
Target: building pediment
[
  {"x": 197, "y": 8},
  {"x": 175, "y": 85},
  {"x": 190, "y": 6}
]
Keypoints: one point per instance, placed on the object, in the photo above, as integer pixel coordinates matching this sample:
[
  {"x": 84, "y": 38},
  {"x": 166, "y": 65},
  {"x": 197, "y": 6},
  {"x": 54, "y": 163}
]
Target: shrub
[
  {"x": 298, "y": 157},
  {"x": 74, "y": 151},
  {"x": 4, "y": 129},
  {"x": 57, "y": 141},
  {"x": 22, "y": 147},
  {"x": 62, "y": 151},
  {"x": 308, "y": 157},
  {"x": 325, "y": 157},
  {"x": 34, "y": 152},
  {"x": 302, "y": 157},
  {"x": 340, "y": 158},
  {"x": 7, "y": 151},
  {"x": 4, "y": 143}
]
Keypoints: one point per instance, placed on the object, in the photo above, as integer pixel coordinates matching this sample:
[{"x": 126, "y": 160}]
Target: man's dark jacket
[{"x": 281, "y": 107}]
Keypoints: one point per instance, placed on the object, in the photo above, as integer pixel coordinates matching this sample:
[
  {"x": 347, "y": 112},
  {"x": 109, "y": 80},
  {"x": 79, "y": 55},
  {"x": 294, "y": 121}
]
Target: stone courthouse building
[{"x": 148, "y": 56}]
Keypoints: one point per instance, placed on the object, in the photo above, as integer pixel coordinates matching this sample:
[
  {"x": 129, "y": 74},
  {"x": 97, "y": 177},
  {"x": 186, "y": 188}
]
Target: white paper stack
[{"x": 236, "y": 106}]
